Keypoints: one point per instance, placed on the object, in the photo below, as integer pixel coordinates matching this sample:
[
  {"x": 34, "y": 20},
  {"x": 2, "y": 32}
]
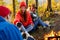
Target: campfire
[{"x": 52, "y": 36}]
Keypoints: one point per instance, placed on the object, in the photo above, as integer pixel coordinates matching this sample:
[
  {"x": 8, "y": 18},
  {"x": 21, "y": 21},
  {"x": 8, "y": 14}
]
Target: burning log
[{"x": 54, "y": 38}]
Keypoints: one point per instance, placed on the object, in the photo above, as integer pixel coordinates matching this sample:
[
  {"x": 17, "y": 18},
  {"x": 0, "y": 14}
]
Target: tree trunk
[
  {"x": 49, "y": 8},
  {"x": 27, "y": 3},
  {"x": 14, "y": 7},
  {"x": 37, "y": 4}
]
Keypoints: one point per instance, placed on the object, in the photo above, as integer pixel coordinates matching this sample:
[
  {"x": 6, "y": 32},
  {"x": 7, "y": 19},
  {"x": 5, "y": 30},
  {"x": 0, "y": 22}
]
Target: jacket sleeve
[
  {"x": 10, "y": 32},
  {"x": 0, "y": 36},
  {"x": 17, "y": 19},
  {"x": 18, "y": 33}
]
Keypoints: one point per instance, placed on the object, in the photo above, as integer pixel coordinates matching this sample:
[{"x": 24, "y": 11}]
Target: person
[
  {"x": 37, "y": 20},
  {"x": 23, "y": 16},
  {"x": 23, "y": 20},
  {"x": 8, "y": 31}
]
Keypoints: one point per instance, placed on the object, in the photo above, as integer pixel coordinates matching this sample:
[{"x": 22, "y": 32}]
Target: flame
[
  {"x": 58, "y": 33},
  {"x": 51, "y": 34}
]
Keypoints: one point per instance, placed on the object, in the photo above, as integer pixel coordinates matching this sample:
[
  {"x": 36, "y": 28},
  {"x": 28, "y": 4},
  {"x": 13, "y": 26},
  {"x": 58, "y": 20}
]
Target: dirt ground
[{"x": 54, "y": 21}]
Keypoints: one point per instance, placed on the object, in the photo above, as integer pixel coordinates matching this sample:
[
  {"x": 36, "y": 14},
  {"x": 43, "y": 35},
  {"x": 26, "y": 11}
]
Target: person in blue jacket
[{"x": 8, "y": 31}]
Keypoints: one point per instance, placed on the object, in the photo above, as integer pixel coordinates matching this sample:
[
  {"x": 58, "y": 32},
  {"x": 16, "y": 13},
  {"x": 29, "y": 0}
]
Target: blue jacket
[{"x": 9, "y": 31}]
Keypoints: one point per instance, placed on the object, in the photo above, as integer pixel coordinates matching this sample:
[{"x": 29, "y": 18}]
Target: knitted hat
[
  {"x": 23, "y": 4},
  {"x": 4, "y": 11}
]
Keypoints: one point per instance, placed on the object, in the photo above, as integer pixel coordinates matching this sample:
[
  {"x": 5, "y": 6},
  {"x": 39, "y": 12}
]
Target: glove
[{"x": 19, "y": 25}]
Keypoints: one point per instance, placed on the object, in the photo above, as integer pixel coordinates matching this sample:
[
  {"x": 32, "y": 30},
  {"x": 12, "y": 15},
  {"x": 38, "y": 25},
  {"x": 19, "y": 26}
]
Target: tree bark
[
  {"x": 37, "y": 4},
  {"x": 49, "y": 7},
  {"x": 14, "y": 7},
  {"x": 27, "y": 3}
]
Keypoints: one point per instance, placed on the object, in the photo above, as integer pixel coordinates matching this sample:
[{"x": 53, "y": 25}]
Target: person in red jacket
[
  {"x": 23, "y": 16},
  {"x": 24, "y": 21}
]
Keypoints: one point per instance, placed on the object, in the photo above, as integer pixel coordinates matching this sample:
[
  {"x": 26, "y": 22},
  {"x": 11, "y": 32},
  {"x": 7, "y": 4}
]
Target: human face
[
  {"x": 8, "y": 18},
  {"x": 23, "y": 9},
  {"x": 33, "y": 9}
]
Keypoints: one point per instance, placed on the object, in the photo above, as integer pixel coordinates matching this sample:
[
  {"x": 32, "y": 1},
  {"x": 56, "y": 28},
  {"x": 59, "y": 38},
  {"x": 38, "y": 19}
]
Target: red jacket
[{"x": 18, "y": 18}]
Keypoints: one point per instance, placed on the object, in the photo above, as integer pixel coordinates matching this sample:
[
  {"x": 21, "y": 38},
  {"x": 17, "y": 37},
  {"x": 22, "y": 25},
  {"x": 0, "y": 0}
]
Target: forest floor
[{"x": 54, "y": 20}]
